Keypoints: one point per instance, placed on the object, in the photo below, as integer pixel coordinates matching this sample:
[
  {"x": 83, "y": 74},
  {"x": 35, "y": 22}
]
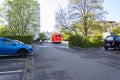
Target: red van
[{"x": 56, "y": 38}]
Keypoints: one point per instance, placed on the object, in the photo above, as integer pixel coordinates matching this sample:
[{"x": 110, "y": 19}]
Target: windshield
[{"x": 110, "y": 38}]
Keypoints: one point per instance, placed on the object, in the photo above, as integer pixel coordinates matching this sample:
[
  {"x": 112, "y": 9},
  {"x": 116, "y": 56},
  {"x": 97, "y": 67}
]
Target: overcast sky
[{"x": 48, "y": 8}]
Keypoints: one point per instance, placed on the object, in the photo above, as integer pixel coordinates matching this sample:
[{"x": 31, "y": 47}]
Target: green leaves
[
  {"x": 116, "y": 30},
  {"x": 3, "y": 30},
  {"x": 87, "y": 11},
  {"x": 21, "y": 15}
]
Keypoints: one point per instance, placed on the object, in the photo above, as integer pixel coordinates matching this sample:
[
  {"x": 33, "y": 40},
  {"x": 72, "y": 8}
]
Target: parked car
[
  {"x": 14, "y": 47},
  {"x": 112, "y": 42}
]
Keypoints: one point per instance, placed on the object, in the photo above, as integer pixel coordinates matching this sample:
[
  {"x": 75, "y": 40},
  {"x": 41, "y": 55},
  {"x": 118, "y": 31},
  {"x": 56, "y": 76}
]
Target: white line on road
[
  {"x": 7, "y": 72},
  {"x": 12, "y": 59}
]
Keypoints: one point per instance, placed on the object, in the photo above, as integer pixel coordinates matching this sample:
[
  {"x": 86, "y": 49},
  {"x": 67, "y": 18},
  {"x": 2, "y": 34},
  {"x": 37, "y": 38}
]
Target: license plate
[{"x": 107, "y": 44}]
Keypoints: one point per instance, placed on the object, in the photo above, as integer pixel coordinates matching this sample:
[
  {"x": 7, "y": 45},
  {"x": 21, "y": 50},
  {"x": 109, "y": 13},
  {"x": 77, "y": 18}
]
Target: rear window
[
  {"x": 117, "y": 38},
  {"x": 59, "y": 35},
  {"x": 109, "y": 38},
  {"x": 56, "y": 36}
]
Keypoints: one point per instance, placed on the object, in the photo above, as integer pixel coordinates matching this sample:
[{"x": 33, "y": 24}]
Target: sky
[
  {"x": 48, "y": 8},
  {"x": 113, "y": 8},
  {"x": 1, "y": 1}
]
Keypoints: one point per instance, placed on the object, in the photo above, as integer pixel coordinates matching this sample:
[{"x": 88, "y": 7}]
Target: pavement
[
  {"x": 30, "y": 66},
  {"x": 59, "y": 62},
  {"x": 28, "y": 71}
]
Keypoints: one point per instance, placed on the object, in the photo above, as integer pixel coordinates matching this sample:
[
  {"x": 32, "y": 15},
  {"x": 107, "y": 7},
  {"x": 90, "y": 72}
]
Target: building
[{"x": 36, "y": 33}]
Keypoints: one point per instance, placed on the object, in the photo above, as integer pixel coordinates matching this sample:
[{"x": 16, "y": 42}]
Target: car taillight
[{"x": 113, "y": 42}]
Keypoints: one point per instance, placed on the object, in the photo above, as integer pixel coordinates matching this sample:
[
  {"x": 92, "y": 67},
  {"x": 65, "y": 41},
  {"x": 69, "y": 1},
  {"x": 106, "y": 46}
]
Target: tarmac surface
[{"x": 59, "y": 62}]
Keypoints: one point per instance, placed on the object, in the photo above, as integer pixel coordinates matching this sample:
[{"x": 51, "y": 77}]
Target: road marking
[
  {"x": 63, "y": 46},
  {"x": 14, "y": 64},
  {"x": 7, "y": 72},
  {"x": 43, "y": 46},
  {"x": 12, "y": 59},
  {"x": 49, "y": 46}
]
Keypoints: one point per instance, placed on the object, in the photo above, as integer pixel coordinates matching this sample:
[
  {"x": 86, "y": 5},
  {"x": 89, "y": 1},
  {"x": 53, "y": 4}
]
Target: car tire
[
  {"x": 106, "y": 48},
  {"x": 22, "y": 53}
]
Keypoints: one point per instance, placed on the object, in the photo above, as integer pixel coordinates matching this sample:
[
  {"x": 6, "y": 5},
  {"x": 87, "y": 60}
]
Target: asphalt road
[
  {"x": 12, "y": 67},
  {"x": 59, "y": 62}
]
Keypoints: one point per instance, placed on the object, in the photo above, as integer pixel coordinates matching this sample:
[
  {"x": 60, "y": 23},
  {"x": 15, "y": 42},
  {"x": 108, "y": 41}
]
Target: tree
[
  {"x": 21, "y": 15},
  {"x": 3, "y": 30},
  {"x": 85, "y": 12},
  {"x": 62, "y": 20},
  {"x": 116, "y": 30},
  {"x": 42, "y": 35},
  {"x": 99, "y": 26}
]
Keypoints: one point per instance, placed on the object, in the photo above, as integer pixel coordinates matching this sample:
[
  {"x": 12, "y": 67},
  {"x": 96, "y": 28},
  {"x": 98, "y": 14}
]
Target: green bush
[
  {"x": 87, "y": 41},
  {"x": 75, "y": 41},
  {"x": 66, "y": 37},
  {"x": 24, "y": 38}
]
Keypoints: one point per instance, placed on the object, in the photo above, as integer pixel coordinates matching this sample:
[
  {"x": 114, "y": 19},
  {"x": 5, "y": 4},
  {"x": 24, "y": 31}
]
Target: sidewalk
[{"x": 28, "y": 71}]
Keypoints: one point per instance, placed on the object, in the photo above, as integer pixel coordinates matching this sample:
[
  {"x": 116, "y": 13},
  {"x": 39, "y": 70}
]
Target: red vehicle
[{"x": 56, "y": 38}]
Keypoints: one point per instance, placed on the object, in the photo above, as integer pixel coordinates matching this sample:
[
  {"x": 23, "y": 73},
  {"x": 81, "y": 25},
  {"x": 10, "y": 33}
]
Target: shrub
[
  {"x": 75, "y": 41},
  {"x": 66, "y": 37},
  {"x": 24, "y": 38},
  {"x": 86, "y": 41}
]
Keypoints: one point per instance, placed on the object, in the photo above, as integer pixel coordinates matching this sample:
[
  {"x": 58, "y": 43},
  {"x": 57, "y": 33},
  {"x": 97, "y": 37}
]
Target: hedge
[
  {"x": 24, "y": 38},
  {"x": 85, "y": 42}
]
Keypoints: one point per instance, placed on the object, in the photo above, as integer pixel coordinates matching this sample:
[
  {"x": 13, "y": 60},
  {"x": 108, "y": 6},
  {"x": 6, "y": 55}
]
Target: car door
[{"x": 8, "y": 47}]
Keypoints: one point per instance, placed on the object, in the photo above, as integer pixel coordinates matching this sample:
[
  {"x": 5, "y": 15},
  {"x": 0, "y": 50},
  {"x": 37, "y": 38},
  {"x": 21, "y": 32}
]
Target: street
[{"x": 59, "y": 62}]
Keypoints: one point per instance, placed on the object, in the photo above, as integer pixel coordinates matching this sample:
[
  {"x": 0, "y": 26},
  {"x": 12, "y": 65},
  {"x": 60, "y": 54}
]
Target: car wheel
[
  {"x": 22, "y": 53},
  {"x": 106, "y": 48}
]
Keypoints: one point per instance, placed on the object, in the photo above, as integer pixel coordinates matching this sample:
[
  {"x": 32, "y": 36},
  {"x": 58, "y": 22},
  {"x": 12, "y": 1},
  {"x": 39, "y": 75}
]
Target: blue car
[{"x": 14, "y": 47}]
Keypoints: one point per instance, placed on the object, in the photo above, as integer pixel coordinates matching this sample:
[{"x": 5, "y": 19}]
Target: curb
[
  {"x": 28, "y": 70},
  {"x": 79, "y": 48}
]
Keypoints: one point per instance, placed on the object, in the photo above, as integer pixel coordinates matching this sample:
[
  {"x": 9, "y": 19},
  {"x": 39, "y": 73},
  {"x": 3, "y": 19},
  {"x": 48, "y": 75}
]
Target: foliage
[
  {"x": 85, "y": 12},
  {"x": 24, "y": 38},
  {"x": 86, "y": 41},
  {"x": 116, "y": 30},
  {"x": 41, "y": 36},
  {"x": 3, "y": 30},
  {"x": 21, "y": 15},
  {"x": 66, "y": 36},
  {"x": 96, "y": 37},
  {"x": 75, "y": 41}
]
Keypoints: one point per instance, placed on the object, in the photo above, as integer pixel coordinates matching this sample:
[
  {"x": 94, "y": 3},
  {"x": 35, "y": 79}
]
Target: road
[{"x": 59, "y": 62}]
